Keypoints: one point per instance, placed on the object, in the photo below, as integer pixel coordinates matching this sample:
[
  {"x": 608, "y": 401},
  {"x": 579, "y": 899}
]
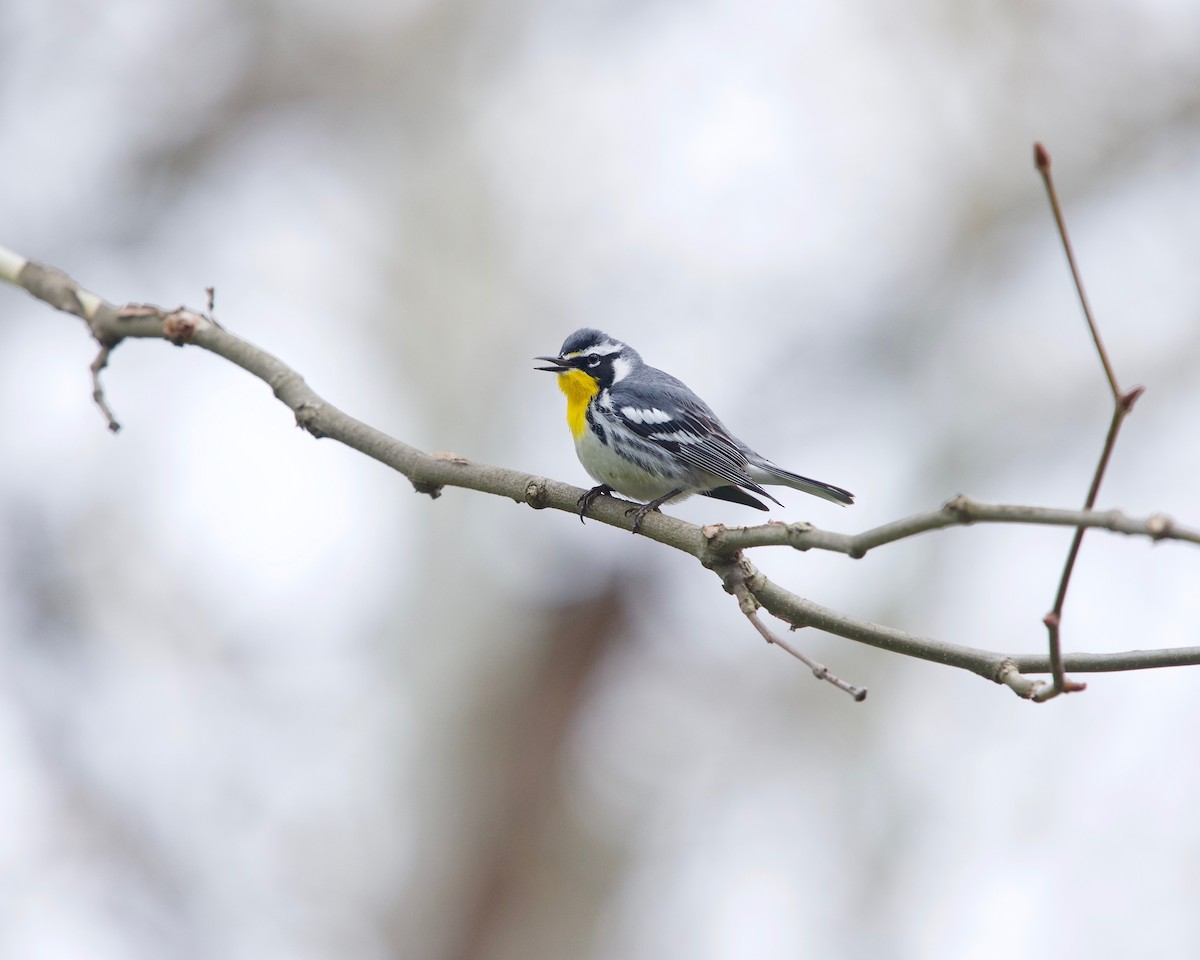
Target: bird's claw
[
  {"x": 639, "y": 514},
  {"x": 590, "y": 497}
]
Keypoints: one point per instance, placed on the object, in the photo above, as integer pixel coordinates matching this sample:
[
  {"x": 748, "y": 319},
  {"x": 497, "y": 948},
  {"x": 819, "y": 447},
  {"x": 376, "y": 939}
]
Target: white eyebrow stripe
[
  {"x": 653, "y": 415},
  {"x": 605, "y": 349}
]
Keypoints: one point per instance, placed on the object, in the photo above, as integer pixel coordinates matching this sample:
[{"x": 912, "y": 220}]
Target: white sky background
[{"x": 250, "y": 684}]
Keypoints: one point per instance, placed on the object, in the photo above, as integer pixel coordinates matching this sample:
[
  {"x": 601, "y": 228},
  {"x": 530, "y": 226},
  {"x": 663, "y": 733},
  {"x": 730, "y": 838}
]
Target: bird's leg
[
  {"x": 589, "y": 498},
  {"x": 639, "y": 513}
]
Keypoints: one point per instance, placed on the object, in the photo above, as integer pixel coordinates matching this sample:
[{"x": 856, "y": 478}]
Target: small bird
[{"x": 642, "y": 433}]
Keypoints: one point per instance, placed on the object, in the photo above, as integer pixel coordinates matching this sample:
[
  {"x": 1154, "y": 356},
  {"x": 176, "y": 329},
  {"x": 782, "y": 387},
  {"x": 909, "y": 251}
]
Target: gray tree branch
[
  {"x": 717, "y": 547},
  {"x": 959, "y": 512}
]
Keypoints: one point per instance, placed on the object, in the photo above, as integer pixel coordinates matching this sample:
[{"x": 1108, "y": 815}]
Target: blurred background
[{"x": 258, "y": 699}]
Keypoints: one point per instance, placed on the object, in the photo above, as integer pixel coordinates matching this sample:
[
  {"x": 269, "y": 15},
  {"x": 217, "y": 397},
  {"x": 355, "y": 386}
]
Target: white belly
[{"x": 626, "y": 478}]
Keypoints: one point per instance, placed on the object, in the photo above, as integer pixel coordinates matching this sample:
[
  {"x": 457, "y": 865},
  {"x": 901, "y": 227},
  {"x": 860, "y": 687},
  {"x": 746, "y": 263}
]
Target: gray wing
[{"x": 663, "y": 410}]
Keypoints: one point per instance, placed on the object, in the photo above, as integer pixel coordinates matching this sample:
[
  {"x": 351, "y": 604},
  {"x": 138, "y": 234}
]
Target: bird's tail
[{"x": 766, "y": 472}]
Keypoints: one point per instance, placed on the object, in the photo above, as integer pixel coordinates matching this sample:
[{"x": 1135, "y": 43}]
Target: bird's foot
[
  {"x": 590, "y": 497},
  {"x": 639, "y": 514}
]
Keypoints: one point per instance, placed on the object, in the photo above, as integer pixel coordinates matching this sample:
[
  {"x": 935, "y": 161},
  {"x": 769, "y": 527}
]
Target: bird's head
[{"x": 596, "y": 357}]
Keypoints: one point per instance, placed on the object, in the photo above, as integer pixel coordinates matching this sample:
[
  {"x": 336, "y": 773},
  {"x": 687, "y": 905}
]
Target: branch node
[
  {"x": 180, "y": 326},
  {"x": 755, "y": 580},
  {"x": 1127, "y": 400},
  {"x": 1048, "y": 691},
  {"x": 432, "y": 490},
  {"x": 797, "y": 534},
  {"x": 716, "y": 552},
  {"x": 307, "y": 419},
  {"x": 536, "y": 494},
  {"x": 713, "y": 553},
  {"x": 749, "y": 605},
  {"x": 1160, "y": 526},
  {"x": 1011, "y": 676},
  {"x": 961, "y": 507}
]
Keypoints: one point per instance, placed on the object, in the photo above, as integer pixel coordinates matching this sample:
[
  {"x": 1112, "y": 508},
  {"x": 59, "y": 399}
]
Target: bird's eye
[{"x": 593, "y": 361}]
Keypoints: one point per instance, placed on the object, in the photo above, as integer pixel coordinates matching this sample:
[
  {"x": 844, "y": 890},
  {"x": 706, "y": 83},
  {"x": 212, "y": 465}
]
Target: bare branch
[
  {"x": 99, "y": 364},
  {"x": 1041, "y": 160},
  {"x": 1112, "y": 662},
  {"x": 429, "y": 473},
  {"x": 1122, "y": 404},
  {"x": 716, "y": 547},
  {"x": 998, "y": 667},
  {"x": 734, "y": 575},
  {"x": 958, "y": 512},
  {"x": 1024, "y": 687}
]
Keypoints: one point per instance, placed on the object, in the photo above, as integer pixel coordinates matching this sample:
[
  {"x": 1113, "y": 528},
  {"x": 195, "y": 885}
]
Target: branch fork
[{"x": 737, "y": 575}]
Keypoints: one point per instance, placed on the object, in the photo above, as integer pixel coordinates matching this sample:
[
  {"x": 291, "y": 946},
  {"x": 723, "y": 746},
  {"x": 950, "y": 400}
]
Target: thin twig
[
  {"x": 1041, "y": 160},
  {"x": 989, "y": 664},
  {"x": 749, "y": 606},
  {"x": 1053, "y": 619},
  {"x": 1122, "y": 404},
  {"x": 961, "y": 511},
  {"x": 99, "y": 364},
  {"x": 1024, "y": 687}
]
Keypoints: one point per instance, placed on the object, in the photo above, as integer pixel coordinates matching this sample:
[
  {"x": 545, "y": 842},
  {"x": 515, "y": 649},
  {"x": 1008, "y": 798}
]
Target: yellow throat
[{"x": 579, "y": 388}]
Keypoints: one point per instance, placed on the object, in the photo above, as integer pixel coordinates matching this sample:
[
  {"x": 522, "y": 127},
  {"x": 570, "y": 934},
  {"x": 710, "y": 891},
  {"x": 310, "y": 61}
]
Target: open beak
[{"x": 559, "y": 364}]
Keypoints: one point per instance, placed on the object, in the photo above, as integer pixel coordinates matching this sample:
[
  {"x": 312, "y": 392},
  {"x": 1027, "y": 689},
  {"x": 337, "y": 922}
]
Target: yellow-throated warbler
[{"x": 642, "y": 433}]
